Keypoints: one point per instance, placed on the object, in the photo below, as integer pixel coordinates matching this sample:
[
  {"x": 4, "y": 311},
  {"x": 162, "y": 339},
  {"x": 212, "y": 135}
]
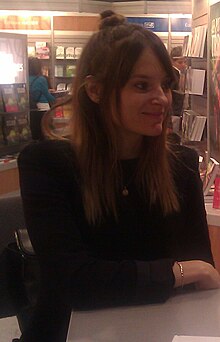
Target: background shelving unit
[
  {"x": 214, "y": 79},
  {"x": 194, "y": 120},
  {"x": 14, "y": 111},
  {"x": 66, "y": 57},
  {"x": 67, "y": 38}
]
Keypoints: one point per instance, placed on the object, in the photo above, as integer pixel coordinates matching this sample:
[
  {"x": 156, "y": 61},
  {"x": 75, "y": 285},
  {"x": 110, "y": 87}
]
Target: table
[
  {"x": 196, "y": 313},
  {"x": 213, "y": 215},
  {"x": 213, "y": 218}
]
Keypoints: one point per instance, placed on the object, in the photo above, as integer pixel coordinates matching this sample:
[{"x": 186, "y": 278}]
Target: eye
[{"x": 142, "y": 85}]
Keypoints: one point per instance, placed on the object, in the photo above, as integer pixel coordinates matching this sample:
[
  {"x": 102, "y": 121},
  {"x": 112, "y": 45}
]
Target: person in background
[
  {"x": 45, "y": 73},
  {"x": 179, "y": 67},
  {"x": 39, "y": 95},
  {"x": 115, "y": 213},
  {"x": 178, "y": 90},
  {"x": 38, "y": 85}
]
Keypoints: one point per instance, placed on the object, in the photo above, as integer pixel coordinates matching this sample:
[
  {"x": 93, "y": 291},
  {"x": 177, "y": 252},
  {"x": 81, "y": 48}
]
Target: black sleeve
[
  {"x": 193, "y": 238},
  {"x": 71, "y": 275}
]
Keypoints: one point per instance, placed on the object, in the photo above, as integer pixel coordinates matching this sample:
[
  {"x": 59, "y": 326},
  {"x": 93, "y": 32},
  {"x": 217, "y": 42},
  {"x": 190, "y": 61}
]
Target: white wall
[
  {"x": 153, "y": 7},
  {"x": 92, "y": 6},
  {"x": 56, "y": 5}
]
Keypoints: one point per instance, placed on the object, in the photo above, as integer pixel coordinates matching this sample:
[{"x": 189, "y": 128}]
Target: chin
[
  {"x": 157, "y": 131},
  {"x": 152, "y": 134}
]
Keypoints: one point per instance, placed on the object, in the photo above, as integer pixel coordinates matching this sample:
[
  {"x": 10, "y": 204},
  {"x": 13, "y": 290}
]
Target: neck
[{"x": 129, "y": 148}]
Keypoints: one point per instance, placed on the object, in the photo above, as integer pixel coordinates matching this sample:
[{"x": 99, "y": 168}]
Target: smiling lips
[{"x": 153, "y": 114}]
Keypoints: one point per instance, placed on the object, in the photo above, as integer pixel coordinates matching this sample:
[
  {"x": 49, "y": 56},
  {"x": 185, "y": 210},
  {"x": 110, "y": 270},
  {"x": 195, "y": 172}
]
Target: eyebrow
[
  {"x": 142, "y": 76},
  {"x": 166, "y": 77}
]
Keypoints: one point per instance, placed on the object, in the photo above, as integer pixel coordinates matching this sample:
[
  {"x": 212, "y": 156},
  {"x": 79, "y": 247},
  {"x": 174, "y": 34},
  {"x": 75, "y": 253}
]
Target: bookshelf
[
  {"x": 67, "y": 48},
  {"x": 194, "y": 118},
  {"x": 65, "y": 66},
  {"x": 59, "y": 59},
  {"x": 14, "y": 107},
  {"x": 14, "y": 103},
  {"x": 214, "y": 80}
]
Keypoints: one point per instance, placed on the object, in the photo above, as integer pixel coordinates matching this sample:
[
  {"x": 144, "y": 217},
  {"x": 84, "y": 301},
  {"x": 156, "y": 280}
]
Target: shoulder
[
  {"x": 42, "y": 80},
  {"x": 176, "y": 71},
  {"x": 48, "y": 155},
  {"x": 185, "y": 158},
  {"x": 47, "y": 148}
]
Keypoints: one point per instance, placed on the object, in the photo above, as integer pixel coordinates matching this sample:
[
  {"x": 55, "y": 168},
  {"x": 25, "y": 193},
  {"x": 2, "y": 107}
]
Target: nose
[{"x": 160, "y": 97}]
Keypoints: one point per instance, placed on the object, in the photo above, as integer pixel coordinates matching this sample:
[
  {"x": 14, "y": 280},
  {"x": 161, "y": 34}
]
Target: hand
[
  {"x": 210, "y": 278},
  {"x": 201, "y": 273}
]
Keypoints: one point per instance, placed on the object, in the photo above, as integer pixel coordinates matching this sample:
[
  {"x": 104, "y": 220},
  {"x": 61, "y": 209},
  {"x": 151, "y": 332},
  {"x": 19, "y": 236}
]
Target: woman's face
[{"x": 145, "y": 98}]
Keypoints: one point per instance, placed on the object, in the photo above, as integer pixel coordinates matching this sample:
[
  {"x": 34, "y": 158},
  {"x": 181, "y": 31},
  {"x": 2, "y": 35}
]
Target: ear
[{"x": 93, "y": 88}]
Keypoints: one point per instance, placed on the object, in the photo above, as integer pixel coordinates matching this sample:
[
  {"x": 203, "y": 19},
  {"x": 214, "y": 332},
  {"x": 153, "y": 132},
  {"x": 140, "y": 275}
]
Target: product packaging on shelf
[{"x": 216, "y": 198}]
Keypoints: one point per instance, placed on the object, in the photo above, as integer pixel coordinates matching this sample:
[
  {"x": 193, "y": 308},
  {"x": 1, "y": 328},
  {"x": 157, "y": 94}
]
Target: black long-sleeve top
[{"x": 111, "y": 263}]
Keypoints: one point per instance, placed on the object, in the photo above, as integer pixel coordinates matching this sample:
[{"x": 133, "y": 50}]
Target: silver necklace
[
  {"x": 127, "y": 177},
  {"x": 125, "y": 191}
]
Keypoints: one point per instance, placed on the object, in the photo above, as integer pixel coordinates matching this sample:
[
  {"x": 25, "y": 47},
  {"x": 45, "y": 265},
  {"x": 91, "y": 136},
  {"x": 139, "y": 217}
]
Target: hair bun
[{"x": 111, "y": 19}]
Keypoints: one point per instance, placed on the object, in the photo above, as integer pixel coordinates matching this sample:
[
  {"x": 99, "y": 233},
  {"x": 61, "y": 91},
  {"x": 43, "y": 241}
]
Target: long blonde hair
[{"x": 109, "y": 57}]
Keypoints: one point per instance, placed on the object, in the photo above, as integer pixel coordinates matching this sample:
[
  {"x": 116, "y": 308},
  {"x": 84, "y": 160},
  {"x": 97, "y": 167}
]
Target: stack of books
[{"x": 193, "y": 125}]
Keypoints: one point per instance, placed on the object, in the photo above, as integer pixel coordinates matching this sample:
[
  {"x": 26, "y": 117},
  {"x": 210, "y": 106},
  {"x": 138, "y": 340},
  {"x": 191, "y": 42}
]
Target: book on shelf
[
  {"x": 9, "y": 97},
  {"x": 2, "y": 109},
  {"x": 198, "y": 126},
  {"x": 42, "y": 50},
  {"x": 187, "y": 45},
  {"x": 22, "y": 97},
  {"x": 59, "y": 93},
  {"x": 70, "y": 52},
  {"x": 78, "y": 51},
  {"x": 58, "y": 112},
  {"x": 194, "y": 46},
  {"x": 31, "y": 51},
  {"x": 10, "y": 129},
  {"x": 198, "y": 43},
  {"x": 61, "y": 86},
  {"x": 70, "y": 70},
  {"x": 195, "y": 80},
  {"x": 59, "y": 71},
  {"x": 60, "y": 52},
  {"x": 69, "y": 87},
  {"x": 203, "y": 37},
  {"x": 187, "y": 120},
  {"x": 23, "y": 127},
  {"x": 210, "y": 175},
  {"x": 192, "y": 125}
]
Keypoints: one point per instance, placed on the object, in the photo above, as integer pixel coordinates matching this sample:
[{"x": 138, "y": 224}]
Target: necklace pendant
[{"x": 125, "y": 191}]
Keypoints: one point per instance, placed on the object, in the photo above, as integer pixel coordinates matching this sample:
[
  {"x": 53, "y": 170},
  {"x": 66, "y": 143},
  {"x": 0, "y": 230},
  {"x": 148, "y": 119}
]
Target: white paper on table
[{"x": 195, "y": 339}]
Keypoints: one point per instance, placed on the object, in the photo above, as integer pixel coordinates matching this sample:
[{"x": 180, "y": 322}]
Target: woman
[
  {"x": 40, "y": 97},
  {"x": 38, "y": 85},
  {"x": 115, "y": 215}
]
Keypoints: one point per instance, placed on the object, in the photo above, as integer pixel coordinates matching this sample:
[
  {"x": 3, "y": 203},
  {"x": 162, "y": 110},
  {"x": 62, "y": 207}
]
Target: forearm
[
  {"x": 50, "y": 320},
  {"x": 197, "y": 272}
]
